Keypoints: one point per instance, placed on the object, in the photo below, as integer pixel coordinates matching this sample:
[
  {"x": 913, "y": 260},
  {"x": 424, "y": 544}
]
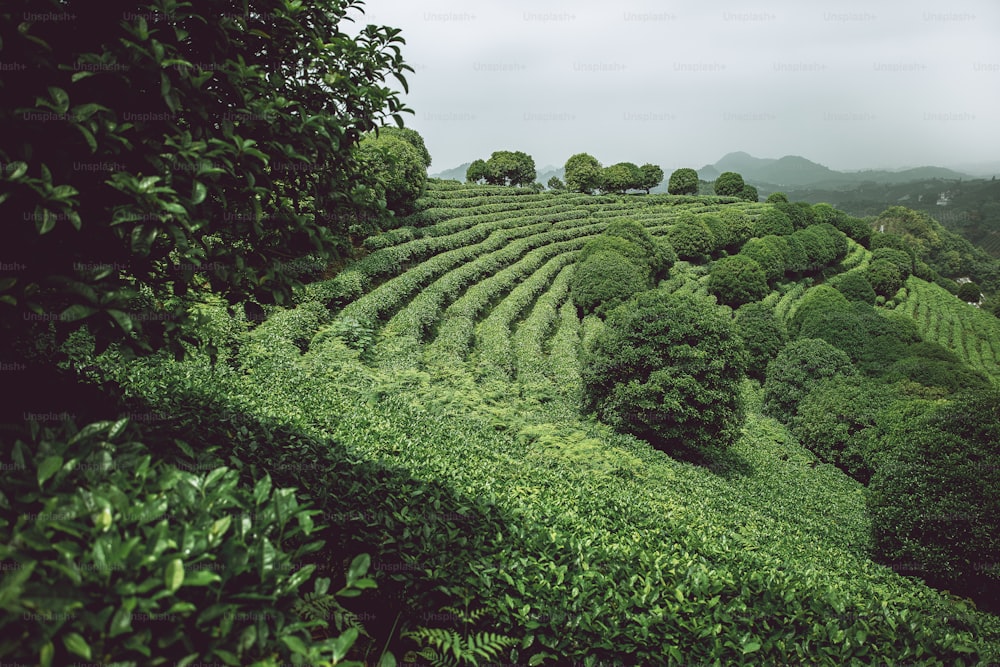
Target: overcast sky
[{"x": 851, "y": 85}]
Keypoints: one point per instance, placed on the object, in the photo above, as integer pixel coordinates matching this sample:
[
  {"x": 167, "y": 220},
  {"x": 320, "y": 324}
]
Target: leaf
[
  {"x": 45, "y": 654},
  {"x": 199, "y": 194},
  {"x": 77, "y": 645},
  {"x": 20, "y": 169},
  {"x": 750, "y": 647},
  {"x": 48, "y": 467},
  {"x": 343, "y": 644},
  {"x": 295, "y": 644},
  {"x": 76, "y": 312},
  {"x": 173, "y": 575},
  {"x": 45, "y": 221},
  {"x": 121, "y": 622},
  {"x": 220, "y": 526},
  {"x": 262, "y": 489},
  {"x": 387, "y": 660},
  {"x": 359, "y": 567}
]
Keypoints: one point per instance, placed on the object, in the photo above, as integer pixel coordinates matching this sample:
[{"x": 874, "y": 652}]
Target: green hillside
[{"x": 447, "y": 373}]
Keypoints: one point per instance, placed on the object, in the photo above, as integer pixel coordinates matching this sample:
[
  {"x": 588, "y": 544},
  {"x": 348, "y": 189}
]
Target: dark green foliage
[
  {"x": 899, "y": 258},
  {"x": 476, "y": 173},
  {"x": 606, "y": 279},
  {"x": 854, "y": 286},
  {"x": 871, "y": 339},
  {"x": 796, "y": 369},
  {"x": 885, "y": 277},
  {"x": 512, "y": 168},
  {"x": 719, "y": 230},
  {"x": 739, "y": 227},
  {"x": 583, "y": 173},
  {"x": 749, "y": 193},
  {"x": 683, "y": 182},
  {"x": 763, "y": 336},
  {"x": 659, "y": 254},
  {"x": 824, "y": 213},
  {"x": 621, "y": 177},
  {"x": 768, "y": 255},
  {"x": 132, "y": 558},
  {"x": 772, "y": 221},
  {"x": 816, "y": 302},
  {"x": 800, "y": 217},
  {"x": 667, "y": 368},
  {"x": 200, "y": 152},
  {"x": 934, "y": 504},
  {"x": 969, "y": 292},
  {"x": 410, "y": 136},
  {"x": 556, "y": 184},
  {"x": 777, "y": 198},
  {"x": 395, "y": 171},
  {"x": 691, "y": 239},
  {"x": 935, "y": 373},
  {"x": 737, "y": 280},
  {"x": 652, "y": 176},
  {"x": 729, "y": 184},
  {"x": 836, "y": 420}
]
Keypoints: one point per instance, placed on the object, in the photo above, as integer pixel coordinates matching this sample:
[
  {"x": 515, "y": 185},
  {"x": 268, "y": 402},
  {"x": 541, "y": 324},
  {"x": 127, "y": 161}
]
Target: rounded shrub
[
  {"x": 763, "y": 336},
  {"x": 772, "y": 221},
  {"x": 796, "y": 369},
  {"x": 737, "y": 280},
  {"x": 604, "y": 280},
  {"x": 934, "y": 503},
  {"x": 667, "y": 368},
  {"x": 854, "y": 286}
]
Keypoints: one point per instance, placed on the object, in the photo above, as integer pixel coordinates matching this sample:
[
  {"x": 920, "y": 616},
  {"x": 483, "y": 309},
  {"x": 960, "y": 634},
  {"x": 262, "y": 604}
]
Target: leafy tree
[
  {"x": 776, "y": 198},
  {"x": 871, "y": 339},
  {"x": 652, "y": 176},
  {"x": 970, "y": 292},
  {"x": 772, "y": 221},
  {"x": 476, "y": 173},
  {"x": 934, "y": 503},
  {"x": 658, "y": 254},
  {"x": 798, "y": 367},
  {"x": 902, "y": 260},
  {"x": 667, "y": 368},
  {"x": 729, "y": 184},
  {"x": 749, "y": 193},
  {"x": 194, "y": 178},
  {"x": 854, "y": 286},
  {"x": 815, "y": 302},
  {"x": 683, "y": 182},
  {"x": 410, "y": 136},
  {"x": 763, "y": 336},
  {"x": 395, "y": 171},
  {"x": 556, "y": 184},
  {"x": 767, "y": 254},
  {"x": 837, "y": 420},
  {"x": 621, "y": 177},
  {"x": 737, "y": 280},
  {"x": 824, "y": 213},
  {"x": 583, "y": 173},
  {"x": 510, "y": 168},
  {"x": 691, "y": 239},
  {"x": 885, "y": 277},
  {"x": 739, "y": 227},
  {"x": 800, "y": 215},
  {"x": 604, "y": 280},
  {"x": 794, "y": 252}
]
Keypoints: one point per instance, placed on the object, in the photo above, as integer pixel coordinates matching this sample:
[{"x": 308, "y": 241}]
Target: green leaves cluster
[
  {"x": 199, "y": 152},
  {"x": 112, "y": 553}
]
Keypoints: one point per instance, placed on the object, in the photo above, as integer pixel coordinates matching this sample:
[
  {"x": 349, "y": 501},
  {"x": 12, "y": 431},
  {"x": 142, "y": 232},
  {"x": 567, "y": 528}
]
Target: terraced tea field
[{"x": 449, "y": 355}]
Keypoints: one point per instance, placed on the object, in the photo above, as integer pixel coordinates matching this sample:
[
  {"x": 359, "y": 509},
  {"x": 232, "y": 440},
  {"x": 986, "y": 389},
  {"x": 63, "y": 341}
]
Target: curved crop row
[
  {"x": 564, "y": 352},
  {"x": 456, "y": 329},
  {"x": 530, "y": 338},
  {"x": 493, "y": 335}
]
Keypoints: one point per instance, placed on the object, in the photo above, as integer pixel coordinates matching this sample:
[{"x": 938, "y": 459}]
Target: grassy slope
[{"x": 748, "y": 560}]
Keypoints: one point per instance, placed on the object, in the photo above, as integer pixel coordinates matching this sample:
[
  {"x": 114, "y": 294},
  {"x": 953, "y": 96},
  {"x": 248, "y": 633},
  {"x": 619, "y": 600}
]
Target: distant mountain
[
  {"x": 457, "y": 173},
  {"x": 796, "y": 171}
]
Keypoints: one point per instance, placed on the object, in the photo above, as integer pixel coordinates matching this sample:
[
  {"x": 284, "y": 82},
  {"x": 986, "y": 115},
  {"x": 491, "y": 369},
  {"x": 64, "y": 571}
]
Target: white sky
[{"x": 851, "y": 85}]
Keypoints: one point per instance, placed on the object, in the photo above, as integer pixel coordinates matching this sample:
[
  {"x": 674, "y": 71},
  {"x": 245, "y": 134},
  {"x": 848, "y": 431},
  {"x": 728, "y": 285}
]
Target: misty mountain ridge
[
  {"x": 794, "y": 170},
  {"x": 774, "y": 173}
]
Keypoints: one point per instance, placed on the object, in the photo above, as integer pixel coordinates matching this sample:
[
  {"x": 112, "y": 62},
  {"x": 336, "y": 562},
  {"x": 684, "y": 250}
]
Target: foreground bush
[
  {"x": 935, "y": 503},
  {"x": 606, "y": 279},
  {"x": 115, "y": 556},
  {"x": 667, "y": 368},
  {"x": 794, "y": 372}
]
